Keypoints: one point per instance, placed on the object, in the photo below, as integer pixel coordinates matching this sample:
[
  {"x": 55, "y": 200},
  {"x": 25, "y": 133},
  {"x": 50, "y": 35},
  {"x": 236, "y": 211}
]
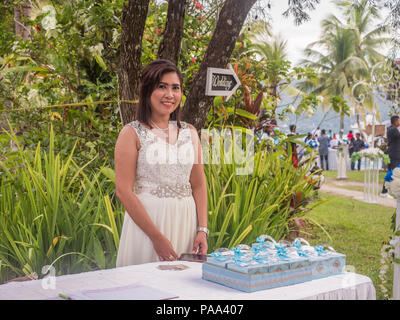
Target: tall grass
[
  {"x": 53, "y": 213},
  {"x": 241, "y": 207}
]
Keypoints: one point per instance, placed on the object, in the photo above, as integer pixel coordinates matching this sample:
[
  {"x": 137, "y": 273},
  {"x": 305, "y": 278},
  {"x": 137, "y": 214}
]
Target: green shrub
[{"x": 52, "y": 213}]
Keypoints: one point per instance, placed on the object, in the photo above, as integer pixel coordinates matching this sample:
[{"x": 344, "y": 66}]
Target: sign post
[{"x": 221, "y": 82}]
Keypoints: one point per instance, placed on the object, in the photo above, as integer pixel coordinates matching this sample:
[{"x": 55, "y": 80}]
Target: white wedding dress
[
  {"x": 162, "y": 186},
  {"x": 342, "y": 159}
]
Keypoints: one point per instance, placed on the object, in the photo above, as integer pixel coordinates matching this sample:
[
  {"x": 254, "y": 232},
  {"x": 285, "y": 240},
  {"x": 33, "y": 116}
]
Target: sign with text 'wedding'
[{"x": 221, "y": 82}]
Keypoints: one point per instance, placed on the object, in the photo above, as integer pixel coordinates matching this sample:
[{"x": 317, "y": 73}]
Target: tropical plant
[
  {"x": 349, "y": 51},
  {"x": 52, "y": 213},
  {"x": 268, "y": 200},
  {"x": 69, "y": 63}
]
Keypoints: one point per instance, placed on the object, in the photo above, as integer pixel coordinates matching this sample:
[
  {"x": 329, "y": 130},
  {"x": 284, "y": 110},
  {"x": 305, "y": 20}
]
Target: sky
[{"x": 299, "y": 37}]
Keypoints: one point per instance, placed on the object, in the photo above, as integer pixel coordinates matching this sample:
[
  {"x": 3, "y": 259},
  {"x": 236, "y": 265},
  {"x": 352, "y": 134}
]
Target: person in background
[
  {"x": 358, "y": 145},
  {"x": 342, "y": 155},
  {"x": 393, "y": 137},
  {"x": 308, "y": 138},
  {"x": 323, "y": 149},
  {"x": 350, "y": 135},
  {"x": 317, "y": 132},
  {"x": 269, "y": 129},
  {"x": 313, "y": 143},
  {"x": 330, "y": 134},
  {"x": 292, "y": 129},
  {"x": 295, "y": 159},
  {"x": 351, "y": 150},
  {"x": 334, "y": 137}
]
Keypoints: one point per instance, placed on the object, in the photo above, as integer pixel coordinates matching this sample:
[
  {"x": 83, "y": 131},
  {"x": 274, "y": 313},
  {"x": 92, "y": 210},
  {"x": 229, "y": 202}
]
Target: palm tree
[
  {"x": 273, "y": 51},
  {"x": 350, "y": 50},
  {"x": 338, "y": 66},
  {"x": 360, "y": 16}
]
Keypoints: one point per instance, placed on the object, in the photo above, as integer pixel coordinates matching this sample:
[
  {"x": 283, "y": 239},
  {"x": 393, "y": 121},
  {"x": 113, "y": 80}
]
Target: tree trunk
[
  {"x": 21, "y": 13},
  {"x": 133, "y": 22},
  {"x": 341, "y": 121},
  {"x": 170, "y": 46},
  {"x": 230, "y": 22}
]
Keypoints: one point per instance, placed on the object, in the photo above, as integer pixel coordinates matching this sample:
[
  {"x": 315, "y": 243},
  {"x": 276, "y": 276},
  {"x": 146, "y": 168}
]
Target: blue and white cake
[{"x": 267, "y": 264}]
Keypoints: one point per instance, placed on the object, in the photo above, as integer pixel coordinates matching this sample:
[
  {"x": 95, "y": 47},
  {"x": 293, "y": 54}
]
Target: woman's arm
[
  {"x": 199, "y": 191},
  {"x": 125, "y": 154}
]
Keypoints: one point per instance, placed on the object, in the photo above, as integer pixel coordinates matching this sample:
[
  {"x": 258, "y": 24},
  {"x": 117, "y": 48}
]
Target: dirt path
[{"x": 337, "y": 187}]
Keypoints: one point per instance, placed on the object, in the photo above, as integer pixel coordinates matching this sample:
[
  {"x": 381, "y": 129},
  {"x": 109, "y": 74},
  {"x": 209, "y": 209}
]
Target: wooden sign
[
  {"x": 380, "y": 130},
  {"x": 221, "y": 82}
]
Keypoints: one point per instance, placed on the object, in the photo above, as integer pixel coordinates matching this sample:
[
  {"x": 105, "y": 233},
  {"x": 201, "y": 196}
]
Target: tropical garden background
[{"x": 68, "y": 84}]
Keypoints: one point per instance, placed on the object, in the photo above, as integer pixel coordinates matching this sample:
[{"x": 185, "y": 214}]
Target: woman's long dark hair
[{"x": 150, "y": 78}]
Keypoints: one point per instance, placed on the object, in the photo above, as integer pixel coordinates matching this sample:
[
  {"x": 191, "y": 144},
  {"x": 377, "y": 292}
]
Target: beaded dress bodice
[{"x": 163, "y": 169}]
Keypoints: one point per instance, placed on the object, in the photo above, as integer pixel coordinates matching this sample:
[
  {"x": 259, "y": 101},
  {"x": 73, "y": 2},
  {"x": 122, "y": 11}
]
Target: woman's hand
[
  {"x": 200, "y": 243},
  {"x": 164, "y": 248}
]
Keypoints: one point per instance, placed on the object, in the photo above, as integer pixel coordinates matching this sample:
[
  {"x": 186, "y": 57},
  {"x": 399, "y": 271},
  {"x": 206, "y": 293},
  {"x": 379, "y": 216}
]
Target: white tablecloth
[
  {"x": 332, "y": 160},
  {"x": 188, "y": 284}
]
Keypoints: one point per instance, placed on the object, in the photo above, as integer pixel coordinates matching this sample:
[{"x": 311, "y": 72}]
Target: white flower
[
  {"x": 115, "y": 35},
  {"x": 49, "y": 8},
  {"x": 49, "y": 22},
  {"x": 97, "y": 49},
  {"x": 371, "y": 151}
]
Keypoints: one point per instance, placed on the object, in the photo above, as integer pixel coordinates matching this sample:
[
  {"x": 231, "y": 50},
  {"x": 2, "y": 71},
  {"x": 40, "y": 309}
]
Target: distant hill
[{"x": 331, "y": 121}]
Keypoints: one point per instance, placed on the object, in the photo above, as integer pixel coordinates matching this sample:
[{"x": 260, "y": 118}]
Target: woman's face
[{"x": 166, "y": 97}]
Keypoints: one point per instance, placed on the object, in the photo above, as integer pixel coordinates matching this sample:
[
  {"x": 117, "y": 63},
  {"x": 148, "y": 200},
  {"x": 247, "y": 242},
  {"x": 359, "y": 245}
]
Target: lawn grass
[
  {"x": 357, "y": 229},
  {"x": 354, "y": 175}
]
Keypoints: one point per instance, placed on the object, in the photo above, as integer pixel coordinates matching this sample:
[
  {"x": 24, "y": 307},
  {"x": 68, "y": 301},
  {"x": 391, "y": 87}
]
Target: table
[
  {"x": 188, "y": 285},
  {"x": 332, "y": 160}
]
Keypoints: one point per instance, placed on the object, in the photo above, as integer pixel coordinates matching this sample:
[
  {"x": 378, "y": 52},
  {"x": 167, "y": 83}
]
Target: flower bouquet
[
  {"x": 342, "y": 146},
  {"x": 373, "y": 154}
]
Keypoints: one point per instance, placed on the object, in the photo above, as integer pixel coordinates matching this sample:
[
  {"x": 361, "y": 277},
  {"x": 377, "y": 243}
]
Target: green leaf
[
  {"x": 100, "y": 61},
  {"x": 242, "y": 113}
]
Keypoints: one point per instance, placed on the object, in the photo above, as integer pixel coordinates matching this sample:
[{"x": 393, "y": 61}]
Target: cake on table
[{"x": 268, "y": 264}]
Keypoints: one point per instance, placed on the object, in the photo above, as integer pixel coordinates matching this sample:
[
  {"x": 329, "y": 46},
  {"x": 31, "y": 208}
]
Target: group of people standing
[{"x": 323, "y": 141}]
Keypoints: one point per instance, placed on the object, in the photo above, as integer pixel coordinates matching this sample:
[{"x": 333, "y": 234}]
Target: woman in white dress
[
  {"x": 159, "y": 175},
  {"x": 342, "y": 156}
]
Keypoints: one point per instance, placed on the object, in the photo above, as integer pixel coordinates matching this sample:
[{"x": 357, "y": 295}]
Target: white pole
[
  {"x": 369, "y": 181},
  {"x": 396, "y": 266},
  {"x": 365, "y": 177}
]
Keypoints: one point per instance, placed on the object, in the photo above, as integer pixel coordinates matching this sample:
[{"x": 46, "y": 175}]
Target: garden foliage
[{"x": 57, "y": 184}]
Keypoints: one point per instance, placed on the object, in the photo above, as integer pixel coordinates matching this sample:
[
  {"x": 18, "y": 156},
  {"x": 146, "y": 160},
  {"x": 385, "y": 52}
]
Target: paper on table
[{"x": 131, "y": 292}]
